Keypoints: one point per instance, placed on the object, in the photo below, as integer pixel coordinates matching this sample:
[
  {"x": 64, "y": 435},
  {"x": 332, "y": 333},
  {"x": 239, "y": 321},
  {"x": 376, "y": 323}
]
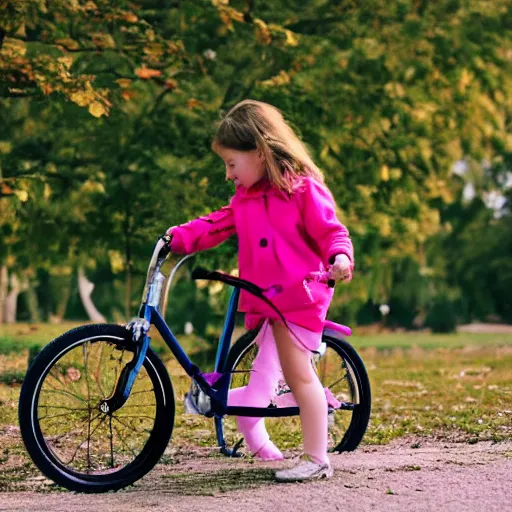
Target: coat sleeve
[
  {"x": 321, "y": 223},
  {"x": 204, "y": 232}
]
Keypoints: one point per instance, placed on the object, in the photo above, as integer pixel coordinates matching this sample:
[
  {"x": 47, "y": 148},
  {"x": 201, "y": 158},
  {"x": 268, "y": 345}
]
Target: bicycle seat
[{"x": 347, "y": 331}]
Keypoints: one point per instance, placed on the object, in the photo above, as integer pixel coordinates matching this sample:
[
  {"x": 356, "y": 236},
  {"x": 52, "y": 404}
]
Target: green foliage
[
  {"x": 441, "y": 317},
  {"x": 110, "y": 110},
  {"x": 12, "y": 377}
]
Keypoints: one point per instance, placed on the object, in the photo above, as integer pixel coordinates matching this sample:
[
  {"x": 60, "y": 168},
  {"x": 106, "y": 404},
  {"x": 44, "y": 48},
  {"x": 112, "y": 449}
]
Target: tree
[{"x": 114, "y": 105}]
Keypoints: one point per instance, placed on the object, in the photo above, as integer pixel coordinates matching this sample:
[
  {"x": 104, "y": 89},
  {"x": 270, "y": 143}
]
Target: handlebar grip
[{"x": 166, "y": 249}]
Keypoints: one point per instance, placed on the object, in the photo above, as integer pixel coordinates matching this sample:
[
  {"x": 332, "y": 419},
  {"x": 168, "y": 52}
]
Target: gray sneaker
[{"x": 307, "y": 469}]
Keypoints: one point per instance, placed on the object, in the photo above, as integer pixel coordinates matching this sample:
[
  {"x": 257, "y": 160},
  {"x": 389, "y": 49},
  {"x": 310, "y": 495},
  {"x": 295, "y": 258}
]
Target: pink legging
[{"x": 265, "y": 375}]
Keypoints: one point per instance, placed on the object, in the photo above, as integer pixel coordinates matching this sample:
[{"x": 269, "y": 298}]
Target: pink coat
[{"x": 282, "y": 239}]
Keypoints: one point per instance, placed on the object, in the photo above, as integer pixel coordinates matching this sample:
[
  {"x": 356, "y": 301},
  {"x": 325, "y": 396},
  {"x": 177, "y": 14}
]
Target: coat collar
[{"x": 259, "y": 189}]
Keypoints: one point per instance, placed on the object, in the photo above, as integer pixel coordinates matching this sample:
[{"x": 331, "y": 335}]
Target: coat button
[{"x": 263, "y": 242}]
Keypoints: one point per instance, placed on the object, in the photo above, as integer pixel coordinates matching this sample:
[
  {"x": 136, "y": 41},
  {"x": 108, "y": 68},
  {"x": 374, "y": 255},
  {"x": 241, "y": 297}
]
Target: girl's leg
[
  {"x": 308, "y": 392},
  {"x": 265, "y": 375}
]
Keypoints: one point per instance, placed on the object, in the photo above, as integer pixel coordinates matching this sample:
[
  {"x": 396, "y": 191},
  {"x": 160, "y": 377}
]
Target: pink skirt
[{"x": 304, "y": 339}]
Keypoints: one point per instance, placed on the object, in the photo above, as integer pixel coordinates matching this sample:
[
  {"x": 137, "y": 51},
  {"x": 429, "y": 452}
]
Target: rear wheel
[
  {"x": 340, "y": 369},
  {"x": 70, "y": 439}
]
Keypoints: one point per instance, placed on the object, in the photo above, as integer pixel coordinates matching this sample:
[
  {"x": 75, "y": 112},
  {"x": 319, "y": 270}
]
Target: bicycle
[{"x": 97, "y": 405}]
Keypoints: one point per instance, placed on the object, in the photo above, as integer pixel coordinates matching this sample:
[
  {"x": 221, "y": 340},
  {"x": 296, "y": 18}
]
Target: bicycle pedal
[
  {"x": 197, "y": 401},
  {"x": 189, "y": 405}
]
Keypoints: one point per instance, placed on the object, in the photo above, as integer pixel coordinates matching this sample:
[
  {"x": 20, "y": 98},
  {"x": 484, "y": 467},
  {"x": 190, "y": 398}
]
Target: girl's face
[{"x": 244, "y": 168}]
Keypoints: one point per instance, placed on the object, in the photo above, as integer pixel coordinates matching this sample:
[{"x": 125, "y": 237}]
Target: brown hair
[{"x": 253, "y": 124}]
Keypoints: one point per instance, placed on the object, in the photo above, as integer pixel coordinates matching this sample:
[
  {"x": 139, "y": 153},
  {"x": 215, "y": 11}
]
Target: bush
[
  {"x": 441, "y": 317},
  {"x": 12, "y": 377}
]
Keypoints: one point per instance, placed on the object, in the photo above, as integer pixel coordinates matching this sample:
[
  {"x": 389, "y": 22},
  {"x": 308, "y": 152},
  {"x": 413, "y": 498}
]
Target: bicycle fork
[{"x": 126, "y": 379}]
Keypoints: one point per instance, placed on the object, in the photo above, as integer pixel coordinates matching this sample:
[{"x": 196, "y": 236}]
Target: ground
[
  {"x": 439, "y": 439},
  {"x": 410, "y": 474}
]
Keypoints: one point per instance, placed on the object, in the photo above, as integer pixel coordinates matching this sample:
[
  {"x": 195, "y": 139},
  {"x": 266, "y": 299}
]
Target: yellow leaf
[
  {"x": 215, "y": 288},
  {"x": 14, "y": 47},
  {"x": 103, "y": 40},
  {"x": 81, "y": 98},
  {"x": 147, "y": 73},
  {"x": 97, "y": 109},
  {"x": 124, "y": 82},
  {"x": 116, "y": 261},
  {"x": 371, "y": 47},
  {"x": 383, "y": 224},
  {"x": 508, "y": 142},
  {"x": 395, "y": 173},
  {"x": 281, "y": 78},
  {"x": 66, "y": 61},
  {"x": 5, "y": 147},
  {"x": 291, "y": 38},
  {"x": 384, "y": 173},
  {"x": 22, "y": 195},
  {"x": 68, "y": 43},
  {"x": 5, "y": 190},
  {"x": 193, "y": 103},
  {"x": 127, "y": 94},
  {"x": 365, "y": 191},
  {"x": 130, "y": 17},
  {"x": 263, "y": 35},
  {"x": 93, "y": 187},
  {"x": 385, "y": 124},
  {"x": 464, "y": 80},
  {"x": 47, "y": 191}
]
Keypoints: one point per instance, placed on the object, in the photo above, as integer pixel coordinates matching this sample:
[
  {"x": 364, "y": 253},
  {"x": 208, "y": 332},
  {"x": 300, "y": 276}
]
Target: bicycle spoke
[
  {"x": 111, "y": 443},
  {"x": 131, "y": 427},
  {"x": 344, "y": 377},
  {"x": 136, "y": 405},
  {"x": 124, "y": 443},
  {"x": 57, "y": 378},
  {"x": 97, "y": 372},
  {"x": 55, "y": 415},
  {"x": 88, "y": 438},
  {"x": 134, "y": 416},
  {"x": 67, "y": 408},
  {"x": 84, "y": 352},
  {"x": 73, "y": 427},
  {"x": 142, "y": 391},
  {"x": 62, "y": 392}
]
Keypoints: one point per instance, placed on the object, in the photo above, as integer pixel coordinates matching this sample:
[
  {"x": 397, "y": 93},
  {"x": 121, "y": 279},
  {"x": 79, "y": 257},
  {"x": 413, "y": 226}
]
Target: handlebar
[
  {"x": 157, "y": 284},
  {"x": 166, "y": 248}
]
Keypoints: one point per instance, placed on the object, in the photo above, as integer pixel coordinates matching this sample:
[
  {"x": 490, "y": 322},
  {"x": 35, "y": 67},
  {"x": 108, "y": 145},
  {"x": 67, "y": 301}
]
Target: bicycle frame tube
[
  {"x": 227, "y": 332},
  {"x": 171, "y": 341}
]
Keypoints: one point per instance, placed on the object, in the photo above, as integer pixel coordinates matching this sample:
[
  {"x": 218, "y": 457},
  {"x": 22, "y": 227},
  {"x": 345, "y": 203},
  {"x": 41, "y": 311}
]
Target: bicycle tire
[{"x": 45, "y": 376}]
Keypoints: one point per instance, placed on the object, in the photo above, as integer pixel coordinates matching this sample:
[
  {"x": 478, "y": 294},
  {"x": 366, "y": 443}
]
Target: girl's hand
[{"x": 340, "y": 269}]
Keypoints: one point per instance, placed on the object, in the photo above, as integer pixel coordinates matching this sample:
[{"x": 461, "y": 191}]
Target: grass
[
  {"x": 391, "y": 341},
  {"x": 453, "y": 387}
]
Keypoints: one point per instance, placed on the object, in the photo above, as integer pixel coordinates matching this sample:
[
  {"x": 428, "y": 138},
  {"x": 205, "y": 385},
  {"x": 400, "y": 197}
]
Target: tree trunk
[
  {"x": 65, "y": 284},
  {"x": 11, "y": 301},
  {"x": 33, "y": 304},
  {"x": 4, "y": 276},
  {"x": 128, "y": 257},
  {"x": 85, "y": 288}
]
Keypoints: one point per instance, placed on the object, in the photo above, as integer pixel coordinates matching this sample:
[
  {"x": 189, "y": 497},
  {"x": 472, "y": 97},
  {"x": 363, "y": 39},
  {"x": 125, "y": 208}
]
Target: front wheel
[
  {"x": 340, "y": 370},
  {"x": 70, "y": 439}
]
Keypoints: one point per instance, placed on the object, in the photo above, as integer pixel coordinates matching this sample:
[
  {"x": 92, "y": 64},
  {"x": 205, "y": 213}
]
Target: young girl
[{"x": 286, "y": 224}]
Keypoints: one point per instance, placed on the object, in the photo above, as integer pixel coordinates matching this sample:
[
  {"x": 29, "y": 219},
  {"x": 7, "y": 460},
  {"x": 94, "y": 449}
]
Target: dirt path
[{"x": 405, "y": 476}]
